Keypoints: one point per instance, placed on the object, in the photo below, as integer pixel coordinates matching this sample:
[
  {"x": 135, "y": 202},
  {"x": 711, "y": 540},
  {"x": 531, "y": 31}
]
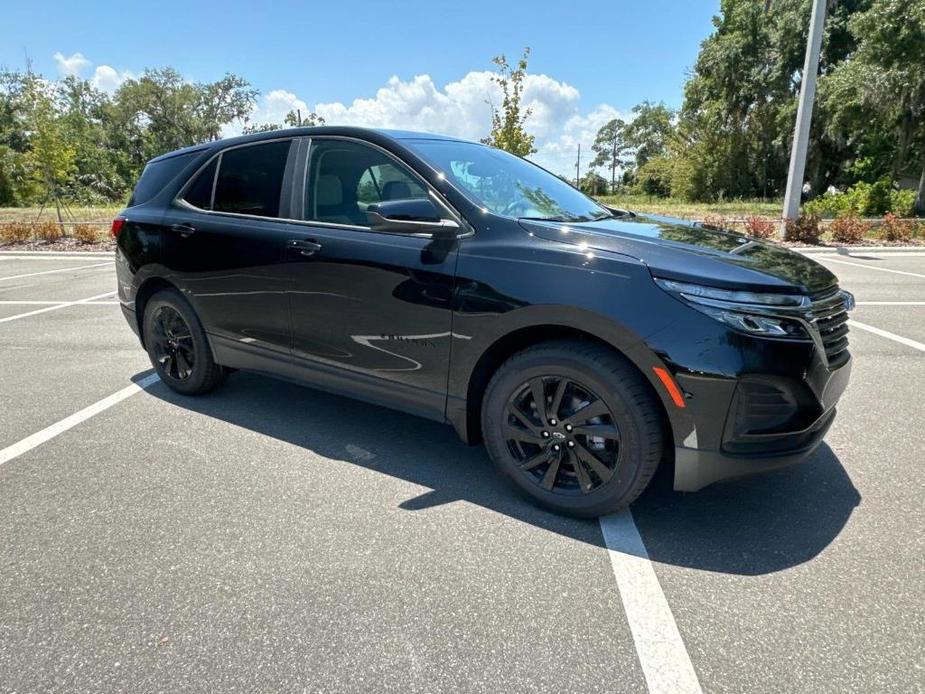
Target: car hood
[{"x": 685, "y": 251}]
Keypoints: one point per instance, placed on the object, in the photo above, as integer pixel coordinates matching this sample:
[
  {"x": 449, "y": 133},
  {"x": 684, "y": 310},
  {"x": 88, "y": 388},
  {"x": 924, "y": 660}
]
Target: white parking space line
[
  {"x": 56, "y": 307},
  {"x": 57, "y": 255},
  {"x": 50, "y": 432},
  {"x": 890, "y": 303},
  {"x": 57, "y": 303},
  {"x": 888, "y": 335},
  {"x": 49, "y": 272},
  {"x": 878, "y": 269},
  {"x": 665, "y": 663}
]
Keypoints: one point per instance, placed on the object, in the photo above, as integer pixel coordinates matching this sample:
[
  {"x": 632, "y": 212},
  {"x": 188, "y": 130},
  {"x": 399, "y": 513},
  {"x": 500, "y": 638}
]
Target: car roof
[{"x": 371, "y": 134}]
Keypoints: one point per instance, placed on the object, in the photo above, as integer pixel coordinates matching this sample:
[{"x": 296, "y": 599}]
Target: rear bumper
[{"x": 131, "y": 319}]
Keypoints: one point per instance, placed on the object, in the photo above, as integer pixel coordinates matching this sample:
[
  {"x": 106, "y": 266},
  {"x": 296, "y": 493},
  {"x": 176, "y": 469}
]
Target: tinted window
[
  {"x": 508, "y": 185},
  {"x": 199, "y": 194},
  {"x": 158, "y": 174},
  {"x": 346, "y": 177},
  {"x": 250, "y": 179}
]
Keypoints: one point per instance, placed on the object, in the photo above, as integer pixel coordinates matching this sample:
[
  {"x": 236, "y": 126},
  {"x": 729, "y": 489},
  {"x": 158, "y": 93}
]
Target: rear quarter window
[{"x": 158, "y": 174}]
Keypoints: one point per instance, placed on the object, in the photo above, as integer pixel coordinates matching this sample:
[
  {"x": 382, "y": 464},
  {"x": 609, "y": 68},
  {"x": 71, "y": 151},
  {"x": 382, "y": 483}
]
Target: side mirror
[{"x": 412, "y": 216}]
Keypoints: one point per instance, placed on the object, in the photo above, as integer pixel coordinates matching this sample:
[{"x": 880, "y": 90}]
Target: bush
[
  {"x": 654, "y": 177},
  {"x": 863, "y": 200},
  {"x": 849, "y": 229},
  {"x": 47, "y": 231},
  {"x": 15, "y": 232},
  {"x": 714, "y": 221},
  {"x": 804, "y": 229},
  {"x": 761, "y": 227},
  {"x": 86, "y": 233},
  {"x": 902, "y": 203},
  {"x": 892, "y": 228}
]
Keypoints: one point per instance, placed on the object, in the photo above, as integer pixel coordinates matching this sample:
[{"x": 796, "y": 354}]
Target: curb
[{"x": 849, "y": 250}]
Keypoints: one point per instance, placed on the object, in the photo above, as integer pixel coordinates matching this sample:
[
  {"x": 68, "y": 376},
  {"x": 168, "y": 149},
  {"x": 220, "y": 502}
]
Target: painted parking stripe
[
  {"x": 888, "y": 335},
  {"x": 56, "y": 307},
  {"x": 49, "y": 272},
  {"x": 57, "y": 303},
  {"x": 665, "y": 662},
  {"x": 50, "y": 432},
  {"x": 878, "y": 269}
]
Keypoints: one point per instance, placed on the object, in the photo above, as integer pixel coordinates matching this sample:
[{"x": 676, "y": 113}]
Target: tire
[
  {"x": 177, "y": 345},
  {"x": 604, "y": 460}
]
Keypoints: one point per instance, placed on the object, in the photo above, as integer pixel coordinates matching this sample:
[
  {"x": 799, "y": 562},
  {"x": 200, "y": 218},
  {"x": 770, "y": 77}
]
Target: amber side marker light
[{"x": 676, "y": 395}]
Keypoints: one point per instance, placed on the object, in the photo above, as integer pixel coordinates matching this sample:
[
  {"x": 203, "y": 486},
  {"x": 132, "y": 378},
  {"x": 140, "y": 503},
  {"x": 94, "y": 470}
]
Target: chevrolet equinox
[{"x": 584, "y": 345}]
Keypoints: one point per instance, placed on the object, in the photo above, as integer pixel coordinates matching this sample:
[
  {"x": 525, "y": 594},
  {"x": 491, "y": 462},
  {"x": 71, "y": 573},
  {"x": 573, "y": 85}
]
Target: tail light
[{"x": 117, "y": 225}]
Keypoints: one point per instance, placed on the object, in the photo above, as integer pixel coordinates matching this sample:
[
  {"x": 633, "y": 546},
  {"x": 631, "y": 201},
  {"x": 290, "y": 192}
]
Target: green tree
[
  {"x": 736, "y": 124},
  {"x": 507, "y": 124},
  {"x": 879, "y": 93},
  {"x": 162, "y": 111},
  {"x": 609, "y": 147},
  {"x": 50, "y": 161},
  {"x": 649, "y": 132},
  {"x": 655, "y": 176},
  {"x": 594, "y": 184},
  {"x": 293, "y": 119}
]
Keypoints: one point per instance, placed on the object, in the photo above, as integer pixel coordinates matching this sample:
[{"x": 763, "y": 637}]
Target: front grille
[{"x": 829, "y": 313}]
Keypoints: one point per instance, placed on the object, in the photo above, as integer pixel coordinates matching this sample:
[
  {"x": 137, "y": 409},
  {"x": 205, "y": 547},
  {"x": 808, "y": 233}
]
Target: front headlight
[{"x": 757, "y": 313}]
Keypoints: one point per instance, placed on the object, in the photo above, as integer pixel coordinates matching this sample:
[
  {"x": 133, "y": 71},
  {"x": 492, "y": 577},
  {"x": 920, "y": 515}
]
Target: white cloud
[
  {"x": 71, "y": 65},
  {"x": 462, "y": 109},
  {"x": 108, "y": 79},
  {"x": 105, "y": 77}
]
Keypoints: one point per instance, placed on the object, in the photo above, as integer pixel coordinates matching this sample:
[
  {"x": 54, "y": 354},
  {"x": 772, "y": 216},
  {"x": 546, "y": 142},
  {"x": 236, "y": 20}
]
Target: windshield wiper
[{"x": 555, "y": 219}]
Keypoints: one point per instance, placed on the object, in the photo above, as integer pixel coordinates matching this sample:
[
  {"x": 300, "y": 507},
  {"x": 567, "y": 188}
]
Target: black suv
[{"x": 584, "y": 345}]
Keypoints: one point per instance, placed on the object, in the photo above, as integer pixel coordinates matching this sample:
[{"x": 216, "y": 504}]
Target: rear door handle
[
  {"x": 183, "y": 229},
  {"x": 305, "y": 247}
]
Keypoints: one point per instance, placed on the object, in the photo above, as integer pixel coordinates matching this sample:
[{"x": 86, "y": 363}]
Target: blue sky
[{"x": 410, "y": 64}]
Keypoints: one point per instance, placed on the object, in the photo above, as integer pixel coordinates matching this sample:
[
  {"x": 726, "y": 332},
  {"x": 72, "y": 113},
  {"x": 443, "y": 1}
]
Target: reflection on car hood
[{"x": 681, "y": 250}]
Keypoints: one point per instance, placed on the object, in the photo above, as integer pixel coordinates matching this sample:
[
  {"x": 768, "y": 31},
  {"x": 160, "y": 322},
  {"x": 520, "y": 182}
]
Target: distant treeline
[
  {"x": 730, "y": 139},
  {"x": 732, "y": 136}
]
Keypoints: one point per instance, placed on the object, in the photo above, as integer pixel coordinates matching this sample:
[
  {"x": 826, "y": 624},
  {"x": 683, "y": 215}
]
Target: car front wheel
[{"x": 574, "y": 425}]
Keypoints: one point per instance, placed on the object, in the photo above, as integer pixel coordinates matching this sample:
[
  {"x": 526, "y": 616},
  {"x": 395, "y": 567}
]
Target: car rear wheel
[
  {"x": 574, "y": 425},
  {"x": 177, "y": 345}
]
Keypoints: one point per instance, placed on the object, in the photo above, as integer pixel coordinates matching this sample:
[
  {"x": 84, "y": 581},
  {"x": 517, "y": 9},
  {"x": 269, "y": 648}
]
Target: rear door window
[
  {"x": 199, "y": 193},
  {"x": 250, "y": 179}
]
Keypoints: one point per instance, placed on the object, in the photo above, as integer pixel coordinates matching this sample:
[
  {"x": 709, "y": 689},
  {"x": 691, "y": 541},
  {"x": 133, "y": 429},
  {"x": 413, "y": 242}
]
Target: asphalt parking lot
[{"x": 273, "y": 538}]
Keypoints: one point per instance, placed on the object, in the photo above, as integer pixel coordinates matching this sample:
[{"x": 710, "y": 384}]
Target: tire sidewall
[{"x": 611, "y": 388}]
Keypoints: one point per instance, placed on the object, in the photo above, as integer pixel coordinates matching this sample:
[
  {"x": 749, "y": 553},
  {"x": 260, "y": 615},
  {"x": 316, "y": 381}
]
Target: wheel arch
[
  {"x": 468, "y": 422},
  {"x": 145, "y": 291}
]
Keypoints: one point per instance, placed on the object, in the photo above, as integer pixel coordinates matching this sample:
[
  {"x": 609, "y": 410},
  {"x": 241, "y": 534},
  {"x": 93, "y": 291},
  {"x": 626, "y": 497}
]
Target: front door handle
[
  {"x": 305, "y": 247},
  {"x": 183, "y": 229}
]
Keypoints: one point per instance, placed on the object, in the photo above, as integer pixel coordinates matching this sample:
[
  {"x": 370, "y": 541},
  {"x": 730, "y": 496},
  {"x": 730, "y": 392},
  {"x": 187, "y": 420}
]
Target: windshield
[{"x": 508, "y": 185}]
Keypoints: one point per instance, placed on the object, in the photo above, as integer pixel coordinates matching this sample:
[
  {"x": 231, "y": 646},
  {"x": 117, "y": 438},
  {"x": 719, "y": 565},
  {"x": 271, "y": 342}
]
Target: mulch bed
[{"x": 69, "y": 245}]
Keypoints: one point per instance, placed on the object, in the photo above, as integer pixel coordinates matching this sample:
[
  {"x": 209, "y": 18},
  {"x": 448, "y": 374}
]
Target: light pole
[{"x": 804, "y": 112}]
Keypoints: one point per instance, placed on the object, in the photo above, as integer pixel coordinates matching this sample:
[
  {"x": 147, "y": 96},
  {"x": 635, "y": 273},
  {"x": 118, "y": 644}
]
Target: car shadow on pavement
[{"x": 755, "y": 525}]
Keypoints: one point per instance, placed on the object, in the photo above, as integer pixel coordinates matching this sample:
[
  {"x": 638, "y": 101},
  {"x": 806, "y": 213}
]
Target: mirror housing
[{"x": 410, "y": 216}]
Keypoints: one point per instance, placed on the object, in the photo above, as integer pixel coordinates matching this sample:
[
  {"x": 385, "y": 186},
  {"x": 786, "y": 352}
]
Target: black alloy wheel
[
  {"x": 172, "y": 342},
  {"x": 562, "y": 435}
]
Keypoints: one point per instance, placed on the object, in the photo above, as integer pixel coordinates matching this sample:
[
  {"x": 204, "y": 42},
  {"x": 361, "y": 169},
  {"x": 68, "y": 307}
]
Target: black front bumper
[{"x": 742, "y": 426}]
